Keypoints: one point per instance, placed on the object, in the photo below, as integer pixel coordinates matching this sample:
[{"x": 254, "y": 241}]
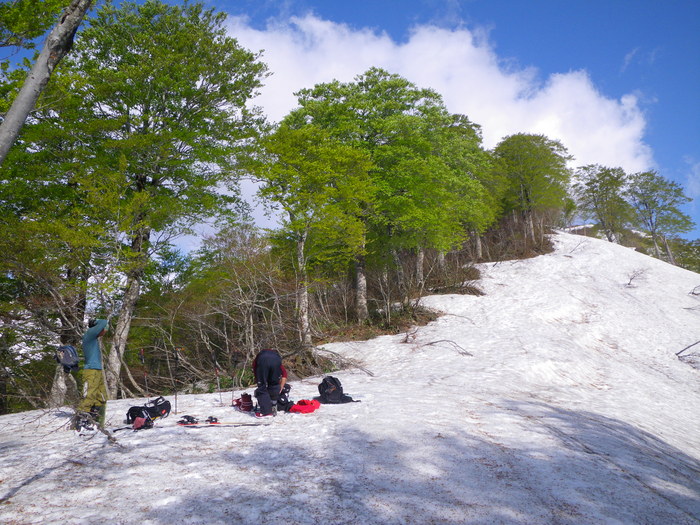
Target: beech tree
[
  {"x": 687, "y": 255},
  {"x": 57, "y": 44},
  {"x": 423, "y": 196},
  {"x": 478, "y": 187},
  {"x": 158, "y": 101},
  {"x": 52, "y": 221},
  {"x": 600, "y": 194},
  {"x": 324, "y": 189},
  {"x": 656, "y": 202},
  {"x": 534, "y": 167}
]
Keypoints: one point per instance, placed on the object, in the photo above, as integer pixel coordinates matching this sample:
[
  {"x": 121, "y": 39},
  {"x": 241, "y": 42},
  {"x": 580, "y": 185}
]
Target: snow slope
[{"x": 554, "y": 398}]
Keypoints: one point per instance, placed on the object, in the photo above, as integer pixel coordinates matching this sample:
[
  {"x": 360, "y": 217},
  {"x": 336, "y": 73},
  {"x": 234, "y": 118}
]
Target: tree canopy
[
  {"x": 535, "y": 174},
  {"x": 22, "y": 21},
  {"x": 136, "y": 138},
  {"x": 600, "y": 192},
  {"x": 143, "y": 134}
]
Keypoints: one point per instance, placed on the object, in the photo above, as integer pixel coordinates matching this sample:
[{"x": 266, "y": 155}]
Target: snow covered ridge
[{"x": 554, "y": 398}]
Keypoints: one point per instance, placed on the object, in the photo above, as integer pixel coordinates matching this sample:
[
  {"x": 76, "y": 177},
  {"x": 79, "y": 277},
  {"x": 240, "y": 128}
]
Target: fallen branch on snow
[
  {"x": 343, "y": 362},
  {"x": 689, "y": 346},
  {"x": 461, "y": 350}
]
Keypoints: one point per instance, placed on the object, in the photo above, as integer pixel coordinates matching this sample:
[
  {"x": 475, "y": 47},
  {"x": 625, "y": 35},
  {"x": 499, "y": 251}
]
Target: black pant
[{"x": 268, "y": 373}]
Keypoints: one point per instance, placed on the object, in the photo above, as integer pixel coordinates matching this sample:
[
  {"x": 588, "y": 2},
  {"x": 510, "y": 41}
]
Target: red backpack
[{"x": 305, "y": 406}]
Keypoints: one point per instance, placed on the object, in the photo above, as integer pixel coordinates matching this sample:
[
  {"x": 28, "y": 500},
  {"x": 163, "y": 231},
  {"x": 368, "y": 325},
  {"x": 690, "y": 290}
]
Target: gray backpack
[{"x": 67, "y": 356}]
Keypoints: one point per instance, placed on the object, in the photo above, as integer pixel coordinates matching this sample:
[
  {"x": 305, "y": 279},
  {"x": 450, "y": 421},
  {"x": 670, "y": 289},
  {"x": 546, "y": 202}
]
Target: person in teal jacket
[{"x": 95, "y": 402}]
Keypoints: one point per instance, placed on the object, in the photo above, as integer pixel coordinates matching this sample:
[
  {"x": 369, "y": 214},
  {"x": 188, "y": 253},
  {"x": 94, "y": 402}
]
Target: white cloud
[
  {"x": 462, "y": 66},
  {"x": 629, "y": 57}
]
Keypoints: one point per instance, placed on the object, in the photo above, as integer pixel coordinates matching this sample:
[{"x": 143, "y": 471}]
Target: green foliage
[
  {"x": 656, "y": 203},
  {"x": 600, "y": 194},
  {"x": 643, "y": 201},
  {"x": 323, "y": 187},
  {"x": 426, "y": 163},
  {"x": 687, "y": 254},
  {"x": 534, "y": 168},
  {"x": 21, "y": 21},
  {"x": 166, "y": 90},
  {"x": 132, "y": 142},
  {"x": 137, "y": 131}
]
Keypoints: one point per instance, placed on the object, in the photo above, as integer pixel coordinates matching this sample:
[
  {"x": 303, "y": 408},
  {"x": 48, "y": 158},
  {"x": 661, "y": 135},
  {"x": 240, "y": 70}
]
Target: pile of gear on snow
[{"x": 145, "y": 416}]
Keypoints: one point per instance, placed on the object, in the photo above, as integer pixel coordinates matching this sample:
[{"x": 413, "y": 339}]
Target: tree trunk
[
  {"x": 303, "y": 295},
  {"x": 4, "y": 401},
  {"x": 669, "y": 253},
  {"x": 121, "y": 333},
  {"x": 64, "y": 388},
  {"x": 420, "y": 261},
  {"x": 304, "y": 325},
  {"x": 56, "y": 46},
  {"x": 402, "y": 281},
  {"x": 541, "y": 230},
  {"x": 609, "y": 234},
  {"x": 441, "y": 261},
  {"x": 385, "y": 285},
  {"x": 361, "y": 311},
  {"x": 133, "y": 381},
  {"x": 657, "y": 251},
  {"x": 486, "y": 250},
  {"x": 530, "y": 228},
  {"x": 250, "y": 330},
  {"x": 139, "y": 246},
  {"x": 478, "y": 247}
]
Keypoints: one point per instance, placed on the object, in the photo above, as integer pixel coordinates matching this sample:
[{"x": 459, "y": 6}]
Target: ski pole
[
  {"x": 233, "y": 388},
  {"x": 177, "y": 373},
  {"x": 145, "y": 372},
  {"x": 218, "y": 385}
]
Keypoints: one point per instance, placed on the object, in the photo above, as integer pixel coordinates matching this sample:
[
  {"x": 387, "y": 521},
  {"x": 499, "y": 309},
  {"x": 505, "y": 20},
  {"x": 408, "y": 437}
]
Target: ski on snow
[{"x": 212, "y": 422}]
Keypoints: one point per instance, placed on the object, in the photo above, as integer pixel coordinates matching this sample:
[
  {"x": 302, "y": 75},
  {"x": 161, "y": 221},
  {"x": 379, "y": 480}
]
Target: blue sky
[{"x": 617, "y": 81}]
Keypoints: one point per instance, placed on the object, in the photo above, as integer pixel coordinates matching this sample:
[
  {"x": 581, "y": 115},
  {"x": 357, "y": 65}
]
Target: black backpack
[
  {"x": 283, "y": 402},
  {"x": 332, "y": 391},
  {"x": 148, "y": 413},
  {"x": 67, "y": 356}
]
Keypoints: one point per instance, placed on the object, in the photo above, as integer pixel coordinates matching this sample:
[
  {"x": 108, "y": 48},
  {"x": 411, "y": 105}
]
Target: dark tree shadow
[
  {"x": 563, "y": 467},
  {"x": 600, "y": 470}
]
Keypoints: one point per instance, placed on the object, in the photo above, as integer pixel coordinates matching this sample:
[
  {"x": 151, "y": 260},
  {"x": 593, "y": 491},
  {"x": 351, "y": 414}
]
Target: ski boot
[{"x": 83, "y": 423}]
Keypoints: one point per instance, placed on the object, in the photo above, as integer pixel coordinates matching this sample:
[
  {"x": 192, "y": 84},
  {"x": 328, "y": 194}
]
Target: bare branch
[
  {"x": 686, "y": 348},
  {"x": 344, "y": 362},
  {"x": 638, "y": 273},
  {"x": 460, "y": 350}
]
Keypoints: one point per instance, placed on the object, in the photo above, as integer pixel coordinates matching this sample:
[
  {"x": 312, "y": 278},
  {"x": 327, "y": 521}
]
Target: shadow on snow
[
  {"x": 600, "y": 470},
  {"x": 567, "y": 467}
]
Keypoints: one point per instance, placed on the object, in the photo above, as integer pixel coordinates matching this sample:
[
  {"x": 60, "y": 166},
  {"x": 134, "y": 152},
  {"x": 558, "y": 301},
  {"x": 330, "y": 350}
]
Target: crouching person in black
[{"x": 270, "y": 377}]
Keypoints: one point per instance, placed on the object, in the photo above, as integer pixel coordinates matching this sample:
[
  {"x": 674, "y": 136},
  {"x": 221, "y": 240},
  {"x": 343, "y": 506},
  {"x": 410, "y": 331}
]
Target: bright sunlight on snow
[{"x": 556, "y": 397}]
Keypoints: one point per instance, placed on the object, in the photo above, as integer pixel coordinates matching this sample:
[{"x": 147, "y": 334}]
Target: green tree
[
  {"x": 324, "y": 190},
  {"x": 536, "y": 175},
  {"x": 425, "y": 191},
  {"x": 157, "y": 97},
  {"x": 478, "y": 189},
  {"x": 600, "y": 194},
  {"x": 58, "y": 43},
  {"x": 656, "y": 202},
  {"x": 687, "y": 255},
  {"x": 51, "y": 224}
]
